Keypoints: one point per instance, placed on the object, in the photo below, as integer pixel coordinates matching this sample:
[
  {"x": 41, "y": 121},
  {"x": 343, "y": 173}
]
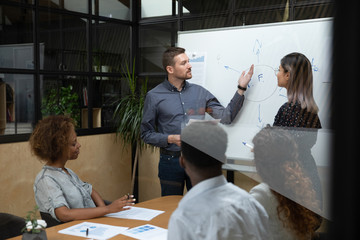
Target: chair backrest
[
  {"x": 10, "y": 225},
  {"x": 50, "y": 221}
]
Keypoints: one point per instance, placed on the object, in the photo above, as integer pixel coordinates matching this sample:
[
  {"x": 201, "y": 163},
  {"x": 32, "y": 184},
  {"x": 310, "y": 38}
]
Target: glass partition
[
  {"x": 271, "y": 16},
  {"x": 119, "y": 9},
  {"x": 70, "y": 95},
  {"x": 17, "y": 109},
  {"x": 205, "y": 23},
  {"x": 63, "y": 38},
  {"x": 63, "y": 95},
  {"x": 156, "y": 8},
  {"x": 16, "y": 38},
  {"x": 259, "y": 3},
  {"x": 111, "y": 47},
  {"x": 318, "y": 11},
  {"x": 154, "y": 39},
  {"x": 70, "y": 5},
  {"x": 205, "y": 7}
]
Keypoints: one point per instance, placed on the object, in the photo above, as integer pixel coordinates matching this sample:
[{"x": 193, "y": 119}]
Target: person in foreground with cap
[{"x": 213, "y": 208}]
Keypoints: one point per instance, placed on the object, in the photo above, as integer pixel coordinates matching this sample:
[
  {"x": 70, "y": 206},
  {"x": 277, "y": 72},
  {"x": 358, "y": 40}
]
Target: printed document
[
  {"x": 136, "y": 213},
  {"x": 147, "y": 232},
  {"x": 93, "y": 230}
]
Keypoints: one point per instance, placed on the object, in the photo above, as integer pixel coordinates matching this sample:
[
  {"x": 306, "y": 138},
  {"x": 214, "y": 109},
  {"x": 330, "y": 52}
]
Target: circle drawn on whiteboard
[{"x": 263, "y": 83}]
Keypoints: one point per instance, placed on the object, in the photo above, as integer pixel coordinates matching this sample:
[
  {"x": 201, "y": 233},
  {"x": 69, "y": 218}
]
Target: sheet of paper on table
[
  {"x": 94, "y": 230},
  {"x": 214, "y": 121},
  {"x": 136, "y": 213},
  {"x": 147, "y": 232}
]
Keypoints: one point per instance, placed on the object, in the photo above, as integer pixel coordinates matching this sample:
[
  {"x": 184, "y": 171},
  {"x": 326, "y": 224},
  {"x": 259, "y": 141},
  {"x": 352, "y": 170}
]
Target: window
[
  {"x": 16, "y": 38},
  {"x": 17, "y": 103},
  {"x": 56, "y": 53},
  {"x": 70, "y": 5},
  {"x": 259, "y": 3},
  {"x": 155, "y": 8},
  {"x": 315, "y": 11},
  {"x": 205, "y": 7},
  {"x": 119, "y": 9},
  {"x": 63, "y": 42},
  {"x": 154, "y": 39},
  {"x": 205, "y": 23},
  {"x": 16, "y": 88}
]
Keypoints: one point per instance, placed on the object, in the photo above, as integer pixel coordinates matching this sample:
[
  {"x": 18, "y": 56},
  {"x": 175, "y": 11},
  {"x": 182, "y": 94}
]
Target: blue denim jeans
[{"x": 172, "y": 176}]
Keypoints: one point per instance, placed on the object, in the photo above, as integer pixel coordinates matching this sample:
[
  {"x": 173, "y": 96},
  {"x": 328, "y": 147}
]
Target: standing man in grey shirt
[{"x": 168, "y": 108}]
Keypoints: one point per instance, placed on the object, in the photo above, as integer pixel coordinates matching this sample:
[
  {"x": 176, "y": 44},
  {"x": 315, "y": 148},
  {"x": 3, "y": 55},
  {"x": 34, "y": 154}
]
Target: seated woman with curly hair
[
  {"x": 286, "y": 193},
  {"x": 58, "y": 190}
]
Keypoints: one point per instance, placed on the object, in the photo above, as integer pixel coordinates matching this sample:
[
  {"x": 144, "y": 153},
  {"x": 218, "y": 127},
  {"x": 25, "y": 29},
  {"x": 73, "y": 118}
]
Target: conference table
[{"x": 167, "y": 204}]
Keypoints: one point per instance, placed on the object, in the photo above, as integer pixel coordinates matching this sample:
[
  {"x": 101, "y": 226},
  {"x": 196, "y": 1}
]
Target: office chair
[
  {"x": 10, "y": 225},
  {"x": 50, "y": 221}
]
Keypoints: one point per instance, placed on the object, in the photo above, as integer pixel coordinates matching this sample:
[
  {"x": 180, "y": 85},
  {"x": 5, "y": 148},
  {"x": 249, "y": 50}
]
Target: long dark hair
[{"x": 300, "y": 86}]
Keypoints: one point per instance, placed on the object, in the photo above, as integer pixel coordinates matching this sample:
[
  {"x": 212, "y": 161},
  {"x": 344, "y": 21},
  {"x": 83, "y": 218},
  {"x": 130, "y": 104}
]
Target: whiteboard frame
[{"x": 256, "y": 26}]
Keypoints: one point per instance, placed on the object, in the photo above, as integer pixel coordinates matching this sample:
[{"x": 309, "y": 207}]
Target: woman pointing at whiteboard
[{"x": 300, "y": 112}]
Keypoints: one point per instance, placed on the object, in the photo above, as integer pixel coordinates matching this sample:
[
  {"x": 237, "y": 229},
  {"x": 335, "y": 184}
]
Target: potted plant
[
  {"x": 128, "y": 114},
  {"x": 61, "y": 101},
  {"x": 34, "y": 228},
  {"x": 98, "y": 64}
]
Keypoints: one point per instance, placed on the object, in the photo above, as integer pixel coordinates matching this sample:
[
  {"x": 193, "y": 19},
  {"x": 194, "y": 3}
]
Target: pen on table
[
  {"x": 248, "y": 145},
  {"x": 87, "y": 232}
]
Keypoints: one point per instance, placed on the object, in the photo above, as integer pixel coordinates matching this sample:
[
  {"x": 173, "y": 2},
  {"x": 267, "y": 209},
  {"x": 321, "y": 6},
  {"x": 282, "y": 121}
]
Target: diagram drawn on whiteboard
[{"x": 262, "y": 85}]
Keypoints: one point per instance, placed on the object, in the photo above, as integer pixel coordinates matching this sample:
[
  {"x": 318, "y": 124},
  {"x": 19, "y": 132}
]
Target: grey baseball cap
[{"x": 208, "y": 137}]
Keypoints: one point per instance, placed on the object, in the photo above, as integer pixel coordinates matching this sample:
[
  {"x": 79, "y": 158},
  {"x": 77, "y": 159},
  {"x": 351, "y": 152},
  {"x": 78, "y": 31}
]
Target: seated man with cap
[{"x": 213, "y": 208}]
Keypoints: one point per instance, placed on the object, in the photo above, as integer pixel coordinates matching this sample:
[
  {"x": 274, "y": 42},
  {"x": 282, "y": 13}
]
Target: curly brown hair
[
  {"x": 296, "y": 216},
  {"x": 276, "y": 160},
  {"x": 51, "y": 137}
]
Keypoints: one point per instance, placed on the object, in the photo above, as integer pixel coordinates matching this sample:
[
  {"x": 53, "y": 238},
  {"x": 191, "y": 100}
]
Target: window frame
[{"x": 134, "y": 23}]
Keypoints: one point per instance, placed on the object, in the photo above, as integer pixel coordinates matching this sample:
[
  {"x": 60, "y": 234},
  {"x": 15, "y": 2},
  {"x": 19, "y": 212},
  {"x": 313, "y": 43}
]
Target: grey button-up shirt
[
  {"x": 167, "y": 110},
  {"x": 54, "y": 188}
]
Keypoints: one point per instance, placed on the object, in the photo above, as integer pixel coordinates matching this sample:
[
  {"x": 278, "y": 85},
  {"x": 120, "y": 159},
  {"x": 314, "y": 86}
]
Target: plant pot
[
  {"x": 35, "y": 236},
  {"x": 102, "y": 68}
]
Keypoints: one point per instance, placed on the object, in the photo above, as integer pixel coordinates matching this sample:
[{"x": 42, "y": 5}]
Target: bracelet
[{"x": 242, "y": 88}]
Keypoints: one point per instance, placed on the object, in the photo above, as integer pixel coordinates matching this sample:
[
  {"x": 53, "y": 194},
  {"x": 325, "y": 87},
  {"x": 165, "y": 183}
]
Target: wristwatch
[{"x": 242, "y": 88}]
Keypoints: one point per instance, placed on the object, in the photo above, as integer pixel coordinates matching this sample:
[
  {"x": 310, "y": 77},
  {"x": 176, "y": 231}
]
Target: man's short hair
[
  {"x": 170, "y": 54},
  {"x": 204, "y": 144}
]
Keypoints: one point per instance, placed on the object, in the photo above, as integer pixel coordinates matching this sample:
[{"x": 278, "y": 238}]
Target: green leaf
[
  {"x": 128, "y": 110},
  {"x": 61, "y": 101}
]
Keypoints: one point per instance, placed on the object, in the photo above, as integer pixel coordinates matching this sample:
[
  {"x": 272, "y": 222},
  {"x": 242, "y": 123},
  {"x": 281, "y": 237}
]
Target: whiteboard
[{"x": 218, "y": 56}]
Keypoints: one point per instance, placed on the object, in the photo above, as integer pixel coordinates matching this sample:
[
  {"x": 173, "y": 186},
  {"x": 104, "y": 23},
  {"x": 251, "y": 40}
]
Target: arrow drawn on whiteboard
[
  {"x": 314, "y": 67},
  {"x": 282, "y": 94},
  {"x": 259, "y": 116},
  {"x": 257, "y": 49},
  {"x": 230, "y": 68},
  {"x": 233, "y": 69}
]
